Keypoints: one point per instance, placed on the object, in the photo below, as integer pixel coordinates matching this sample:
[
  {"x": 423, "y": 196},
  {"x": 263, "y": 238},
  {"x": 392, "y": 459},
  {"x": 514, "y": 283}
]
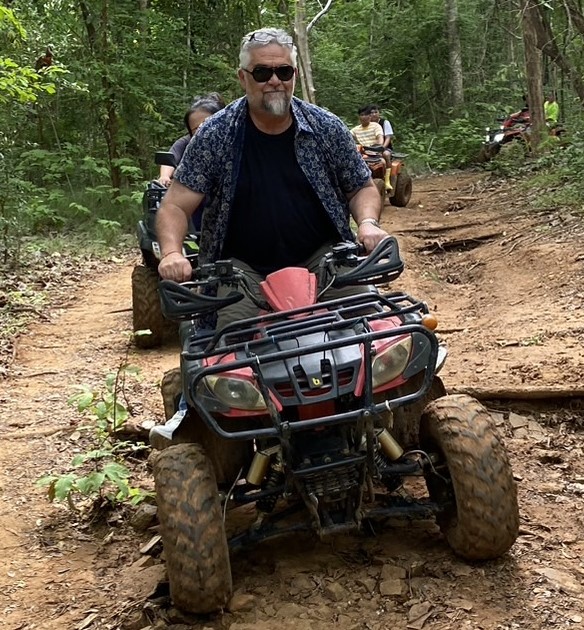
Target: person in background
[
  {"x": 367, "y": 133},
  {"x": 201, "y": 108},
  {"x": 551, "y": 109},
  {"x": 385, "y": 126},
  {"x": 370, "y": 134}
]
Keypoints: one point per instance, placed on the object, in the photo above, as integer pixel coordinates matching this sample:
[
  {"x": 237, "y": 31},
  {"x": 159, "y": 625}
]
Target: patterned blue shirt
[{"x": 325, "y": 151}]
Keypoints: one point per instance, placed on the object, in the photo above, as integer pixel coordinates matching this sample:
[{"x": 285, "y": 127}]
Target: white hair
[{"x": 263, "y": 37}]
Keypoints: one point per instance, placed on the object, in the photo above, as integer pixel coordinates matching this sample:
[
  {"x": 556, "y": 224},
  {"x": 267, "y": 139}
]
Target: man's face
[
  {"x": 272, "y": 96},
  {"x": 374, "y": 115},
  {"x": 365, "y": 119}
]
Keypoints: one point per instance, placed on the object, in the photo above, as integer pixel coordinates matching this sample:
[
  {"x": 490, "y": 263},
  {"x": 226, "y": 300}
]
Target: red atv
[
  {"x": 401, "y": 183},
  {"x": 324, "y": 415},
  {"x": 514, "y": 127}
]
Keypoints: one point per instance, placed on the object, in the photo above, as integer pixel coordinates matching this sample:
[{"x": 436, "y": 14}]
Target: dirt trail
[{"x": 506, "y": 285}]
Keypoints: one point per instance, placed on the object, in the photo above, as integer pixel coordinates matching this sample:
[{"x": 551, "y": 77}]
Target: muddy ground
[{"x": 506, "y": 284}]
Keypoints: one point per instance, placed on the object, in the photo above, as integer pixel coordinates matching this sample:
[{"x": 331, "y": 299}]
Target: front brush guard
[{"x": 250, "y": 351}]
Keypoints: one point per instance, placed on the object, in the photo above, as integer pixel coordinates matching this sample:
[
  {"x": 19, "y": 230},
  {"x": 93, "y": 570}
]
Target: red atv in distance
[
  {"x": 513, "y": 127},
  {"x": 401, "y": 183}
]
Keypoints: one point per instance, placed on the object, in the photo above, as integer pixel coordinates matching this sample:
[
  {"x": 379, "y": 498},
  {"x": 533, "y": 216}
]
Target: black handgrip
[
  {"x": 165, "y": 158},
  {"x": 377, "y": 148},
  {"x": 382, "y": 265},
  {"x": 179, "y": 303}
]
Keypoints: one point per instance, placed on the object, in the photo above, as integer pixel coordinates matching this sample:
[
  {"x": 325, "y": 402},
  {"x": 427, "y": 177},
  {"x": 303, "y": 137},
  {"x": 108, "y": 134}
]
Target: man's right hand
[
  {"x": 175, "y": 266},
  {"x": 165, "y": 181}
]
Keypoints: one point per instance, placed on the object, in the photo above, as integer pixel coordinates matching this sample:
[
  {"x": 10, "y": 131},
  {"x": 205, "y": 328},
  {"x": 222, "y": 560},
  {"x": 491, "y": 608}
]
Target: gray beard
[{"x": 278, "y": 106}]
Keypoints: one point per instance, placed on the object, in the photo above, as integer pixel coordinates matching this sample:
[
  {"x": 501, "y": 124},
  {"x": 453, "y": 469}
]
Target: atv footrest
[{"x": 399, "y": 508}]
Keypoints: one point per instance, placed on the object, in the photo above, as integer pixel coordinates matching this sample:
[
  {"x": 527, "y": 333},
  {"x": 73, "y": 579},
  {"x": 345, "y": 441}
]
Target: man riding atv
[
  {"x": 259, "y": 161},
  {"x": 283, "y": 177},
  {"x": 279, "y": 141}
]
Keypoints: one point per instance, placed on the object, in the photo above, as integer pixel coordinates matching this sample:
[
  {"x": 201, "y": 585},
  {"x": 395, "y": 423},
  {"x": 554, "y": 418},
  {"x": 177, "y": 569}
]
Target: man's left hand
[{"x": 370, "y": 236}]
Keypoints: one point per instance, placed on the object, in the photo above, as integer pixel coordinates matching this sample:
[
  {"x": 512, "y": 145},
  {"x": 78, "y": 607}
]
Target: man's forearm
[
  {"x": 171, "y": 228},
  {"x": 365, "y": 203},
  {"x": 172, "y": 218}
]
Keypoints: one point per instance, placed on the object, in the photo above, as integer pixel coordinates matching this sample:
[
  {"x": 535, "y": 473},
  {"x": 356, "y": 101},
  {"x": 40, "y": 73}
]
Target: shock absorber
[
  {"x": 389, "y": 445},
  {"x": 274, "y": 478},
  {"x": 267, "y": 472},
  {"x": 388, "y": 450}
]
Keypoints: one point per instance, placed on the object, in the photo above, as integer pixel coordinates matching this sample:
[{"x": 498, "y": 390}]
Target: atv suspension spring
[
  {"x": 275, "y": 478},
  {"x": 381, "y": 462}
]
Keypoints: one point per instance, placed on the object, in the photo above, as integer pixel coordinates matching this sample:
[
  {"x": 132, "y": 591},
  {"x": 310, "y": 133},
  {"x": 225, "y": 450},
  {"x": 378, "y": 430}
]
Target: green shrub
[{"x": 100, "y": 473}]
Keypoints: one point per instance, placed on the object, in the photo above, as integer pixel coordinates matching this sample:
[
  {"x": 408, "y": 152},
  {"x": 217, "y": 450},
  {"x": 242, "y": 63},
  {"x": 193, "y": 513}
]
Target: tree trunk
[
  {"x": 302, "y": 31},
  {"x": 454, "y": 55},
  {"x": 547, "y": 43},
  {"x": 99, "y": 47},
  {"x": 188, "y": 44},
  {"x": 533, "y": 70},
  {"x": 304, "y": 52}
]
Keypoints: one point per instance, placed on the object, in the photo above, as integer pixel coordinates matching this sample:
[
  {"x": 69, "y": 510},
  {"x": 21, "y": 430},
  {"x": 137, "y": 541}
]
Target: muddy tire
[
  {"x": 488, "y": 152},
  {"x": 191, "y": 525},
  {"x": 171, "y": 389},
  {"x": 403, "y": 191},
  {"x": 227, "y": 457},
  {"x": 146, "y": 313},
  {"x": 406, "y": 419},
  {"x": 475, "y": 481}
]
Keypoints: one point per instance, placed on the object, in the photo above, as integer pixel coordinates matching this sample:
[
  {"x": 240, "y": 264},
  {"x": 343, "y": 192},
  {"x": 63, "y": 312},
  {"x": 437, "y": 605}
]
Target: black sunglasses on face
[{"x": 262, "y": 74}]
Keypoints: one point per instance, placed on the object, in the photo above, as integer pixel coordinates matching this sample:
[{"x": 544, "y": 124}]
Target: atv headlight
[
  {"x": 236, "y": 393},
  {"x": 498, "y": 137},
  {"x": 390, "y": 363}
]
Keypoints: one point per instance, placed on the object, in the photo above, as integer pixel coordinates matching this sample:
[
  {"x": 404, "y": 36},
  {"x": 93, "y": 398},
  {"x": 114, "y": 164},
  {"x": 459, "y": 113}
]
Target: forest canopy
[{"x": 91, "y": 88}]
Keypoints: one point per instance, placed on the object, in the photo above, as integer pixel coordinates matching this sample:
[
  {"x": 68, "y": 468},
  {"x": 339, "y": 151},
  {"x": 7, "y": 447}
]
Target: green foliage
[
  {"x": 69, "y": 192},
  {"x": 77, "y": 138},
  {"x": 100, "y": 473},
  {"x": 510, "y": 161},
  {"x": 557, "y": 173},
  {"x": 455, "y": 145},
  {"x": 9, "y": 25}
]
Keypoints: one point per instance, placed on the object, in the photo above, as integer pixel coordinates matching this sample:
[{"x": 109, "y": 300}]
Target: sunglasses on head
[
  {"x": 261, "y": 74},
  {"x": 266, "y": 38}
]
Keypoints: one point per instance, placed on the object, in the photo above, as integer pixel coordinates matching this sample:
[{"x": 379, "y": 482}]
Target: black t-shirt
[{"x": 276, "y": 219}]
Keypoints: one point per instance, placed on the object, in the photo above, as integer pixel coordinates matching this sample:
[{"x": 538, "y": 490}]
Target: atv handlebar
[
  {"x": 185, "y": 301},
  {"x": 375, "y": 148},
  {"x": 165, "y": 158},
  {"x": 382, "y": 265},
  {"x": 180, "y": 303}
]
